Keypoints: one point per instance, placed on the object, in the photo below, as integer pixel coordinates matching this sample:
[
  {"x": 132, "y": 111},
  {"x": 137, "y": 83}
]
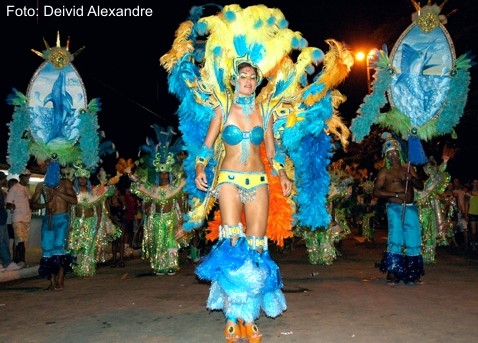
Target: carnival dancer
[
  {"x": 91, "y": 227},
  {"x": 435, "y": 228},
  {"x": 396, "y": 182},
  {"x": 56, "y": 195},
  {"x": 238, "y": 143},
  {"x": 163, "y": 203}
]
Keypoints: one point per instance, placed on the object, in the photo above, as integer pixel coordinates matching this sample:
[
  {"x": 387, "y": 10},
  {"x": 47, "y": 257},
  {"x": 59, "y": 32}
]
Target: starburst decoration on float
[{"x": 58, "y": 56}]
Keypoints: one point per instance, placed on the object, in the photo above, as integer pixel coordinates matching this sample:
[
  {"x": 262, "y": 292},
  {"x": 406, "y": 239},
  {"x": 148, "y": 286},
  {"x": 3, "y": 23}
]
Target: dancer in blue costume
[
  {"x": 56, "y": 195},
  {"x": 397, "y": 183},
  {"x": 243, "y": 150},
  {"x": 244, "y": 277}
]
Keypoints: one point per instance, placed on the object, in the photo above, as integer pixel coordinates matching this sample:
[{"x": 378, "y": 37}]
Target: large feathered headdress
[
  {"x": 297, "y": 95},
  {"x": 160, "y": 154}
]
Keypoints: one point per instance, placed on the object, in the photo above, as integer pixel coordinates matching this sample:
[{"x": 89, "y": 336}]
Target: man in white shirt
[{"x": 18, "y": 200}]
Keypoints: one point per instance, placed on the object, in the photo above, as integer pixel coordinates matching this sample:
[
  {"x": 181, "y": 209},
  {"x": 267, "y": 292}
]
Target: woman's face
[{"x": 247, "y": 81}]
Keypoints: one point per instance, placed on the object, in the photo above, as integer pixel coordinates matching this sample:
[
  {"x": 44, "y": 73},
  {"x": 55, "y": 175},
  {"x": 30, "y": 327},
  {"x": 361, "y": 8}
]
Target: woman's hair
[{"x": 243, "y": 65}]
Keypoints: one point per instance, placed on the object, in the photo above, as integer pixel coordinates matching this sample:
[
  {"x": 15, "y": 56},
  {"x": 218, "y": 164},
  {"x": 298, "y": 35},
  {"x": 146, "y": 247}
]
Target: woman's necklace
[{"x": 246, "y": 102}]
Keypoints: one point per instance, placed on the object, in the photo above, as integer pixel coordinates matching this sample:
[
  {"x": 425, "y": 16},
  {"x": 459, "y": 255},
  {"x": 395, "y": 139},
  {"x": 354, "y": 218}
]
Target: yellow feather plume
[{"x": 181, "y": 46}]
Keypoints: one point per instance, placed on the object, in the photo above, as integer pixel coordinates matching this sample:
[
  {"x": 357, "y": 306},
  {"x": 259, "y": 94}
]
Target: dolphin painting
[{"x": 62, "y": 103}]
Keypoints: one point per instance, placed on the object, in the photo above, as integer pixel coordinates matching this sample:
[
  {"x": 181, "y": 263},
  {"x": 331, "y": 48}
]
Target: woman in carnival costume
[
  {"x": 434, "y": 224},
  {"x": 91, "y": 226},
  {"x": 237, "y": 144},
  {"x": 163, "y": 202}
]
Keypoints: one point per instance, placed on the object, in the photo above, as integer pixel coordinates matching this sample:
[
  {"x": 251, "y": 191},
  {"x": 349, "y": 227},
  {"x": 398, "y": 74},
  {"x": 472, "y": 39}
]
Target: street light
[{"x": 360, "y": 56}]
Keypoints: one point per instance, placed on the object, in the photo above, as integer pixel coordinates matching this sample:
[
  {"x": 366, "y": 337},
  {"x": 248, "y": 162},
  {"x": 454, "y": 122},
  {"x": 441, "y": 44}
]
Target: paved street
[{"x": 347, "y": 301}]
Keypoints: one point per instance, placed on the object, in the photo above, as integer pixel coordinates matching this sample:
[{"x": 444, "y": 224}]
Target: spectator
[
  {"x": 11, "y": 180},
  {"x": 18, "y": 200},
  {"x": 472, "y": 213},
  {"x": 459, "y": 192},
  {"x": 129, "y": 217},
  {"x": 5, "y": 256},
  {"x": 116, "y": 210}
]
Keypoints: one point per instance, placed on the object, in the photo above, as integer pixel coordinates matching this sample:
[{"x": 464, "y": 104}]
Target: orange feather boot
[
  {"x": 232, "y": 332},
  {"x": 250, "y": 331}
]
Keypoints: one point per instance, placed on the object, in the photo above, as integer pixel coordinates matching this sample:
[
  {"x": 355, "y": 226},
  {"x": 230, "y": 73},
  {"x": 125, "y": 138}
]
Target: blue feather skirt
[{"x": 244, "y": 282}]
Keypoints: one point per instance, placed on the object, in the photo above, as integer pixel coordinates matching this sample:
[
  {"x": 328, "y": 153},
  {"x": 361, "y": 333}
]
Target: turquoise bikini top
[{"x": 232, "y": 135}]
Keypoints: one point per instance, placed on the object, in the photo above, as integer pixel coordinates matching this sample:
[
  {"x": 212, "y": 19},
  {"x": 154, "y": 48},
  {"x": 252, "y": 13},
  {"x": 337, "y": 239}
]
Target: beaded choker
[{"x": 246, "y": 102}]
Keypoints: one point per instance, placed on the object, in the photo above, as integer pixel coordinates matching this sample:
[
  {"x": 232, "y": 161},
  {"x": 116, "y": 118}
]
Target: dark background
[{"x": 120, "y": 63}]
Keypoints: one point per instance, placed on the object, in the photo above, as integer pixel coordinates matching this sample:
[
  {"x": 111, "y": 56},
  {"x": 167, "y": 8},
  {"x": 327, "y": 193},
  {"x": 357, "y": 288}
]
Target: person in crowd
[
  {"x": 116, "y": 210},
  {"x": 5, "y": 255},
  {"x": 471, "y": 210},
  {"x": 396, "y": 183},
  {"x": 56, "y": 195},
  {"x": 18, "y": 200},
  {"x": 163, "y": 204},
  {"x": 459, "y": 192},
  {"x": 129, "y": 217},
  {"x": 11, "y": 180}
]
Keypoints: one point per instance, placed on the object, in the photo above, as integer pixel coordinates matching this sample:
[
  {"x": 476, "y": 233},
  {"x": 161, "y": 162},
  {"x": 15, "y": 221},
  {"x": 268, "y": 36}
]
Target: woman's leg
[
  {"x": 231, "y": 209},
  {"x": 230, "y": 205},
  {"x": 256, "y": 212}
]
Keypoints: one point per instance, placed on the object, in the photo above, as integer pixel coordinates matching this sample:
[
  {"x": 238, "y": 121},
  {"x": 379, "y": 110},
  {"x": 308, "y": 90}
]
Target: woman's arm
[
  {"x": 271, "y": 152},
  {"x": 201, "y": 161}
]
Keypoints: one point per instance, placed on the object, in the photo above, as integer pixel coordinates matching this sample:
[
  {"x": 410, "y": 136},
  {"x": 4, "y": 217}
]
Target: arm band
[
  {"x": 278, "y": 162},
  {"x": 204, "y": 155},
  {"x": 277, "y": 165}
]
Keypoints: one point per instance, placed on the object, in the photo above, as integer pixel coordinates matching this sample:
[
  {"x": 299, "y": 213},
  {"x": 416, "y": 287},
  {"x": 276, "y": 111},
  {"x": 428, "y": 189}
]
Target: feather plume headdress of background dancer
[
  {"x": 297, "y": 95},
  {"x": 160, "y": 154}
]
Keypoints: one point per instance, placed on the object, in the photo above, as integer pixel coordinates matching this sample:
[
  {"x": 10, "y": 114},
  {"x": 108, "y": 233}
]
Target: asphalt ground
[{"x": 348, "y": 301}]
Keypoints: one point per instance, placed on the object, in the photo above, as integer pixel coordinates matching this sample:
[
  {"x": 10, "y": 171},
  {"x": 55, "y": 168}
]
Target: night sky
[{"x": 120, "y": 63}]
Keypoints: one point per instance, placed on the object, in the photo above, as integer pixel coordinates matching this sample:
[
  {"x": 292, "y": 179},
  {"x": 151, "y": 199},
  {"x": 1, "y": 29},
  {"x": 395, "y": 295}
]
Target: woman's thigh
[{"x": 257, "y": 212}]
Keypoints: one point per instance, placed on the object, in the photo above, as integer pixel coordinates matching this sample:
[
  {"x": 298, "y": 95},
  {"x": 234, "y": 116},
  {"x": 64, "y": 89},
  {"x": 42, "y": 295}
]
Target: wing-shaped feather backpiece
[{"x": 297, "y": 95}]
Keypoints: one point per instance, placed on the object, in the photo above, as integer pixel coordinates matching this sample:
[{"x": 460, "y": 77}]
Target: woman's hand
[
  {"x": 285, "y": 183},
  {"x": 201, "y": 179}
]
